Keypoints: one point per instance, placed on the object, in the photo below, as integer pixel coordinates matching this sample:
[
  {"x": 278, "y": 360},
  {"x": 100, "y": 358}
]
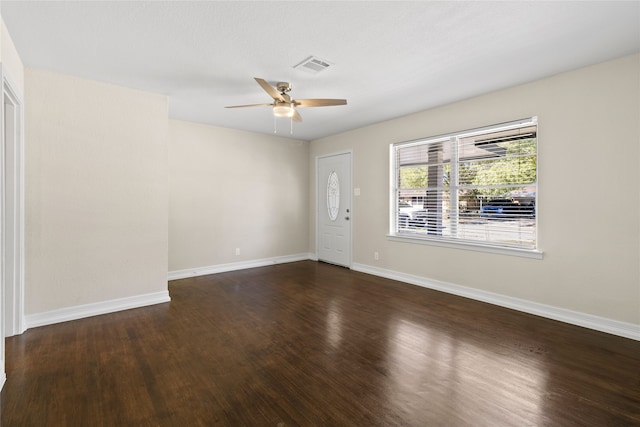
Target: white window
[{"x": 475, "y": 187}]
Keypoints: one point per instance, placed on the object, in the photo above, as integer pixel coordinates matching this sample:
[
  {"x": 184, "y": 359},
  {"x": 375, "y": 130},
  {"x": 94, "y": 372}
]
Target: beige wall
[
  {"x": 589, "y": 192},
  {"x": 96, "y": 192},
  {"x": 11, "y": 60},
  {"x": 231, "y": 189}
]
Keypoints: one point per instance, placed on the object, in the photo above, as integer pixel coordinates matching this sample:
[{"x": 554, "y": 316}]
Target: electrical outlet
[
  {"x": 237, "y": 251},
  {"x": 376, "y": 256}
]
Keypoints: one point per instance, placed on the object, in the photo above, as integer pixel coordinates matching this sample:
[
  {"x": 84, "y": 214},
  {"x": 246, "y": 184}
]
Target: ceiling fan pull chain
[{"x": 275, "y": 125}]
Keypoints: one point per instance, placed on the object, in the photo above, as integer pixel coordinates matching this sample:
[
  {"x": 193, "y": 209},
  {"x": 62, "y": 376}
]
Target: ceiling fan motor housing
[{"x": 283, "y": 87}]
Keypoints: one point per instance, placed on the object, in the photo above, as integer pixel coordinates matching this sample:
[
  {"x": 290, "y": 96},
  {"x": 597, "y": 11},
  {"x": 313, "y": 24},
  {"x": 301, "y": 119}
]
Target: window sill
[{"x": 477, "y": 247}]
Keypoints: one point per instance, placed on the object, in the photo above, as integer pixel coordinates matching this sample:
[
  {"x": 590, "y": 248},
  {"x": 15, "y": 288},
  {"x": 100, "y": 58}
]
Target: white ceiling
[{"x": 391, "y": 58}]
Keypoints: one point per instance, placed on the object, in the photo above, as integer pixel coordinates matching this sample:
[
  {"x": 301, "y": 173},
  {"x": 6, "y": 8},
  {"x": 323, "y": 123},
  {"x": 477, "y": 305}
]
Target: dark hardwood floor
[{"x": 311, "y": 344}]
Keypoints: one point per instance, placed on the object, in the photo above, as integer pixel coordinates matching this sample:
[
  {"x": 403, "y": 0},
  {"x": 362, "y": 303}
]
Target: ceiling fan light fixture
[{"x": 285, "y": 111}]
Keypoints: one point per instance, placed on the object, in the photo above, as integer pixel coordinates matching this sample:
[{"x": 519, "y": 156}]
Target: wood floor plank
[{"x": 311, "y": 344}]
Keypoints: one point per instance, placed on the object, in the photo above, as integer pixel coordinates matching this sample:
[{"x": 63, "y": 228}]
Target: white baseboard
[
  {"x": 221, "y": 268},
  {"x": 615, "y": 327},
  {"x": 95, "y": 309}
]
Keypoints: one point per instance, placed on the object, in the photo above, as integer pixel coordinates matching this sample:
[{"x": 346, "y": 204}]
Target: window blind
[{"x": 477, "y": 186}]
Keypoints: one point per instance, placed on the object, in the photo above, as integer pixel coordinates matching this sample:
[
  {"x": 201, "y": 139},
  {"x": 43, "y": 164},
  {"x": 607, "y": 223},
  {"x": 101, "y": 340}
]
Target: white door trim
[
  {"x": 12, "y": 315},
  {"x": 350, "y": 202}
]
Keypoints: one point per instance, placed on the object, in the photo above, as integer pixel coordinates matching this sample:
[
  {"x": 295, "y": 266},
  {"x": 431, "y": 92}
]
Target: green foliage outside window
[
  {"x": 413, "y": 177},
  {"x": 518, "y": 166}
]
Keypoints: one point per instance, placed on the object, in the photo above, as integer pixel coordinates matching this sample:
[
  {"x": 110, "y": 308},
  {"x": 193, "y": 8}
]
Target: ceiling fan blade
[
  {"x": 319, "y": 102},
  {"x": 296, "y": 116},
  {"x": 250, "y": 105},
  {"x": 270, "y": 89}
]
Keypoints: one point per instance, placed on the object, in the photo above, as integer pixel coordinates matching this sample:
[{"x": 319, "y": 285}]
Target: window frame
[{"x": 455, "y": 242}]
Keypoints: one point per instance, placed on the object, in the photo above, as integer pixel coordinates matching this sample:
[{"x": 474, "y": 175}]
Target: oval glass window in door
[{"x": 333, "y": 195}]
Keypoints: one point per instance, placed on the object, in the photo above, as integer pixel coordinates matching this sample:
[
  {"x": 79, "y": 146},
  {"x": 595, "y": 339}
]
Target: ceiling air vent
[{"x": 313, "y": 65}]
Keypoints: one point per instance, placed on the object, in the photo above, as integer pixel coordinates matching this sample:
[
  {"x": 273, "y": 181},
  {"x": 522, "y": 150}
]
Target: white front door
[{"x": 334, "y": 209}]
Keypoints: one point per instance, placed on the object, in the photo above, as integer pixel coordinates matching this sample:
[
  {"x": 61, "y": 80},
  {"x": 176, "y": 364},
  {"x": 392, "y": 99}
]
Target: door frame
[
  {"x": 12, "y": 200},
  {"x": 350, "y": 202}
]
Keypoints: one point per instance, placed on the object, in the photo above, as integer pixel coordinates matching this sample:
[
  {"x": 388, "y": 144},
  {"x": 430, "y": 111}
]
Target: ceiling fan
[{"x": 284, "y": 106}]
